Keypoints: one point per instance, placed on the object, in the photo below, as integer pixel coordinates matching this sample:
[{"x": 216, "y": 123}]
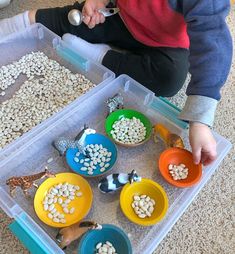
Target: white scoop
[{"x": 75, "y": 17}]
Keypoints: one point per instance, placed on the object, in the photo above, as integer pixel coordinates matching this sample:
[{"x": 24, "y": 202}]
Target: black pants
[{"x": 163, "y": 70}]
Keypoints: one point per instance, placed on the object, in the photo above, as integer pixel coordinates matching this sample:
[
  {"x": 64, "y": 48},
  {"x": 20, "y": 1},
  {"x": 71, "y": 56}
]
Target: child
[{"x": 158, "y": 39}]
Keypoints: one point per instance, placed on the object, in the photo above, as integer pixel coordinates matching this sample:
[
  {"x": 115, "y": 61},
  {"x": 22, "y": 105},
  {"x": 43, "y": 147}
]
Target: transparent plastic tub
[
  {"x": 32, "y": 156},
  {"x": 39, "y": 38}
]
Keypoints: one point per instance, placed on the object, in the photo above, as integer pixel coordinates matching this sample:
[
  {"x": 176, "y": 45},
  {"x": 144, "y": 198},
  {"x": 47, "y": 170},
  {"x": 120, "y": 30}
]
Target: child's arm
[
  {"x": 203, "y": 143},
  {"x": 210, "y": 56},
  {"x": 210, "y": 61}
]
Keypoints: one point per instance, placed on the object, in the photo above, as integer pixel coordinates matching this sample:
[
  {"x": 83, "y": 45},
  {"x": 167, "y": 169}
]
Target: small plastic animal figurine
[
  {"x": 170, "y": 139},
  {"x": 115, "y": 102},
  {"x": 26, "y": 182},
  {"x": 62, "y": 144},
  {"x": 69, "y": 234},
  {"x": 114, "y": 182}
]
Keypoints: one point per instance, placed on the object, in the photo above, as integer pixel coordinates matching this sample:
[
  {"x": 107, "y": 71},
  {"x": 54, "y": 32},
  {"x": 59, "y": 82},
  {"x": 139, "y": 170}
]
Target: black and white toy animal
[
  {"x": 115, "y": 102},
  {"x": 114, "y": 182},
  {"x": 62, "y": 144}
]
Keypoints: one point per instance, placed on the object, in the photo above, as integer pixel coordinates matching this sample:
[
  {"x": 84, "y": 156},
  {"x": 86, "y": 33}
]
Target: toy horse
[
  {"x": 115, "y": 102},
  {"x": 62, "y": 144},
  {"x": 26, "y": 182},
  {"x": 73, "y": 232},
  {"x": 170, "y": 139},
  {"x": 114, "y": 182}
]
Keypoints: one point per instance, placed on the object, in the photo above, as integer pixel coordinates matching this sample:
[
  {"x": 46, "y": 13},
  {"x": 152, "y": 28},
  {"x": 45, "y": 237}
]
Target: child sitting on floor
[{"x": 161, "y": 41}]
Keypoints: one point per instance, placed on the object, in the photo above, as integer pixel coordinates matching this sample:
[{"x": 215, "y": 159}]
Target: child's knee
[{"x": 169, "y": 84}]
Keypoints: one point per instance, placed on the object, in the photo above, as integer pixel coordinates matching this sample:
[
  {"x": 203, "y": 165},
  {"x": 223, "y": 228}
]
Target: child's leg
[
  {"x": 14, "y": 24},
  {"x": 162, "y": 70},
  {"x": 95, "y": 52}
]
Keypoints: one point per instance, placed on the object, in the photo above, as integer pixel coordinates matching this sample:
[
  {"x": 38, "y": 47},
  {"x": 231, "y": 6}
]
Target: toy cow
[
  {"x": 69, "y": 234},
  {"x": 62, "y": 144},
  {"x": 114, "y": 182},
  {"x": 114, "y": 103}
]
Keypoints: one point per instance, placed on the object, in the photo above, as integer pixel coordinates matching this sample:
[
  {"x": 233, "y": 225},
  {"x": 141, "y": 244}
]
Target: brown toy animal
[
  {"x": 26, "y": 182},
  {"x": 170, "y": 139},
  {"x": 69, "y": 234}
]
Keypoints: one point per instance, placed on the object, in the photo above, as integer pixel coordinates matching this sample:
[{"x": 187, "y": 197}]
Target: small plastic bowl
[
  {"x": 110, "y": 233},
  {"x": 92, "y": 139},
  {"x": 177, "y": 156},
  {"x": 82, "y": 204},
  {"x": 145, "y": 187},
  {"x": 128, "y": 113}
]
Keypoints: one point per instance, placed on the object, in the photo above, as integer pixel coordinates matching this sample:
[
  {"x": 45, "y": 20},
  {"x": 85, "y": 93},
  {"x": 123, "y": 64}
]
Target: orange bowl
[{"x": 177, "y": 156}]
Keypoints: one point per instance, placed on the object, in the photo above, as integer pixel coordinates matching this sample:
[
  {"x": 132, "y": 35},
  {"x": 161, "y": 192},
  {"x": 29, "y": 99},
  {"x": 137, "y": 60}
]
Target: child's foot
[
  {"x": 14, "y": 24},
  {"x": 95, "y": 52}
]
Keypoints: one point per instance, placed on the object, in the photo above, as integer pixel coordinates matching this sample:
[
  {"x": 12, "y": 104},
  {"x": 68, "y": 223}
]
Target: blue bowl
[
  {"x": 110, "y": 233},
  {"x": 92, "y": 139}
]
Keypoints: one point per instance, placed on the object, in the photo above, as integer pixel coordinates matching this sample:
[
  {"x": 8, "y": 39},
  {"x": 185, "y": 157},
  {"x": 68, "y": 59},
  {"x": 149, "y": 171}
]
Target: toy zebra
[
  {"x": 115, "y": 102},
  {"x": 62, "y": 144},
  {"x": 114, "y": 182}
]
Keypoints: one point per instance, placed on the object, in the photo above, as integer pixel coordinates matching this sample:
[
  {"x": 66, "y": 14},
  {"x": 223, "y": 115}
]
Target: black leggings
[{"x": 163, "y": 70}]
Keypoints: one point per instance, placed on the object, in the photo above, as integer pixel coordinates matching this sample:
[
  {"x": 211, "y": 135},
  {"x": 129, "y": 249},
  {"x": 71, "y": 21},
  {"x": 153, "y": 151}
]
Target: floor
[{"x": 208, "y": 224}]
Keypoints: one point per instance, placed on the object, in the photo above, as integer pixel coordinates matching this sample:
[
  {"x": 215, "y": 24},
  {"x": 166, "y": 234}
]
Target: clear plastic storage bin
[
  {"x": 39, "y": 38},
  {"x": 32, "y": 156}
]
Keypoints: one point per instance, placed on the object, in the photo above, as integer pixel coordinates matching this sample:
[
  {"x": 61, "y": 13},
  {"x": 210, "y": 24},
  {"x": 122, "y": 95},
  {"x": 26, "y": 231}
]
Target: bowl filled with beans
[
  {"x": 177, "y": 167},
  {"x": 110, "y": 239},
  {"x": 102, "y": 156},
  {"x": 128, "y": 127},
  {"x": 144, "y": 203},
  {"x": 63, "y": 200}
]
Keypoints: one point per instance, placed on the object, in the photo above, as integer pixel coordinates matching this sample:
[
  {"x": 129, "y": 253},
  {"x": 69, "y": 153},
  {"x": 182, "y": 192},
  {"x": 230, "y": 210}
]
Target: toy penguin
[
  {"x": 170, "y": 139},
  {"x": 114, "y": 182},
  {"x": 69, "y": 234},
  {"x": 62, "y": 144}
]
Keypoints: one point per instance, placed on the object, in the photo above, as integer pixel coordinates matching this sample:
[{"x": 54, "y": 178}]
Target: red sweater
[{"x": 154, "y": 23}]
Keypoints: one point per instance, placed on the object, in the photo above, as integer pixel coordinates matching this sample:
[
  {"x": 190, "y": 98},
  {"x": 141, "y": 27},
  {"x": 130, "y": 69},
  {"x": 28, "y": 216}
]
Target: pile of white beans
[
  {"x": 179, "y": 172},
  {"x": 106, "y": 248},
  {"x": 61, "y": 194},
  {"x": 99, "y": 157},
  {"x": 128, "y": 131},
  {"x": 48, "y": 88},
  {"x": 143, "y": 205}
]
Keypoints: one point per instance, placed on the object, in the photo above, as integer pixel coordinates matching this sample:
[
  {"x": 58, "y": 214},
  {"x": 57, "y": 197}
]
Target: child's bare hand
[
  {"x": 90, "y": 12},
  {"x": 203, "y": 143}
]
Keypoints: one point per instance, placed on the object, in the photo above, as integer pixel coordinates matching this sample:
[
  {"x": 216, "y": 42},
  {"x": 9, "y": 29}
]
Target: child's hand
[
  {"x": 203, "y": 143},
  {"x": 90, "y": 12}
]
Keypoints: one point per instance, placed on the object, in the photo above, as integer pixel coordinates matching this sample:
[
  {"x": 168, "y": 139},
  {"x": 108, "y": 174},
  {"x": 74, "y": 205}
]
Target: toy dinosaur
[
  {"x": 114, "y": 182},
  {"x": 170, "y": 139},
  {"x": 62, "y": 144},
  {"x": 26, "y": 182},
  {"x": 69, "y": 234}
]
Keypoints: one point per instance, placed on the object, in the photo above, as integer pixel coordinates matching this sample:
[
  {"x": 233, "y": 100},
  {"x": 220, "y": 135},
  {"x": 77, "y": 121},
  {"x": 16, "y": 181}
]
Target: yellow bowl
[
  {"x": 82, "y": 204},
  {"x": 154, "y": 191}
]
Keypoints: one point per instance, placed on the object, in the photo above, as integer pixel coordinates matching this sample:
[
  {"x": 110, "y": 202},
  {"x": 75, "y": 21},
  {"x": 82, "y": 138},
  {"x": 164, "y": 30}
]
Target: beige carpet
[{"x": 208, "y": 224}]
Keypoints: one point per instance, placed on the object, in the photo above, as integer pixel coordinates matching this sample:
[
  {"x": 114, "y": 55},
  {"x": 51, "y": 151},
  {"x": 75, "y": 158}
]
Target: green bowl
[{"x": 128, "y": 113}]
